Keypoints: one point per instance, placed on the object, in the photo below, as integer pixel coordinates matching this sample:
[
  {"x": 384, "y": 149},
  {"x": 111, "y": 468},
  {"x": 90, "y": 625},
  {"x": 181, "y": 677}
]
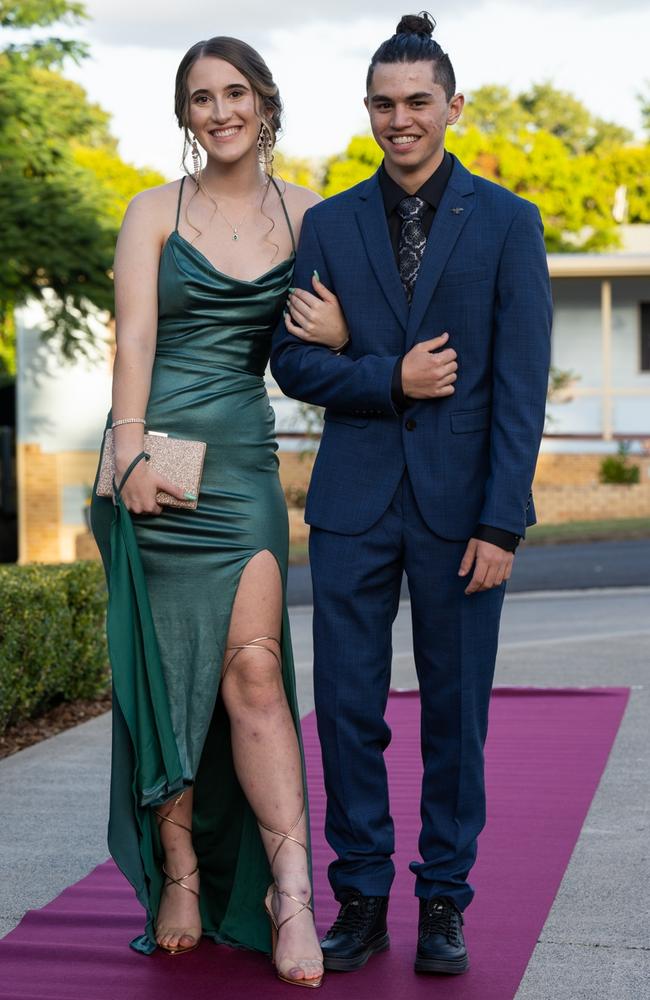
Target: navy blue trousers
[{"x": 356, "y": 581}]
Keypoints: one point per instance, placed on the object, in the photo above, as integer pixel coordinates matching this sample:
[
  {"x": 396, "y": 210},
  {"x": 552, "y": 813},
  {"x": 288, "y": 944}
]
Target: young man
[{"x": 434, "y": 415}]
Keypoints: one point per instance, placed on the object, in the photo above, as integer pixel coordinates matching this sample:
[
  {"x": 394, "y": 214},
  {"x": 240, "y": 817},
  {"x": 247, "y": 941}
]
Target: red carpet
[{"x": 546, "y": 752}]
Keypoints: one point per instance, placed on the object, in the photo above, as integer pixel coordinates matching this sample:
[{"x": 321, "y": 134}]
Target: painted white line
[
  {"x": 557, "y": 641},
  {"x": 553, "y": 595}
]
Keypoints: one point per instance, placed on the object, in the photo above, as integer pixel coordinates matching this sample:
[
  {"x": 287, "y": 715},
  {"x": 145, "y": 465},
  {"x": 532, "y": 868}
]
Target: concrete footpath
[{"x": 596, "y": 942}]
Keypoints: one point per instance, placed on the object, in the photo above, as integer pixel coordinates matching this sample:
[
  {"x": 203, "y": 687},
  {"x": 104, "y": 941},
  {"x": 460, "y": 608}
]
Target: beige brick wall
[
  {"x": 41, "y": 477},
  {"x": 559, "y": 504},
  {"x": 566, "y": 489},
  {"x": 39, "y": 512},
  {"x": 578, "y": 470},
  {"x": 295, "y": 469}
]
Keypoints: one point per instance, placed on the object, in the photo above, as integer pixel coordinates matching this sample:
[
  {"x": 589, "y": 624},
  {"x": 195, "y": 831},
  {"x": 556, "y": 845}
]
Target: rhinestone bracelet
[{"x": 127, "y": 420}]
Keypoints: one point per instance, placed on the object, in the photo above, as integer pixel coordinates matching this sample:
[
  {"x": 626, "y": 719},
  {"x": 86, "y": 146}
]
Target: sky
[{"x": 593, "y": 48}]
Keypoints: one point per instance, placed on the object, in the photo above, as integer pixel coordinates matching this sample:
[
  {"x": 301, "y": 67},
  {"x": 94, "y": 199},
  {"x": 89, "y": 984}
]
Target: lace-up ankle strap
[{"x": 284, "y": 836}]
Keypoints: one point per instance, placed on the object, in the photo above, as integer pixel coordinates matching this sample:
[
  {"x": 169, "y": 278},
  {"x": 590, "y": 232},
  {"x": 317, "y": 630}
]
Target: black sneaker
[
  {"x": 441, "y": 945},
  {"x": 357, "y": 933}
]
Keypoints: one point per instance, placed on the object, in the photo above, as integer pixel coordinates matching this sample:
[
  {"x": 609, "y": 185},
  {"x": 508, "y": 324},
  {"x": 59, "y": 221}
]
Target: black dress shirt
[{"x": 430, "y": 192}]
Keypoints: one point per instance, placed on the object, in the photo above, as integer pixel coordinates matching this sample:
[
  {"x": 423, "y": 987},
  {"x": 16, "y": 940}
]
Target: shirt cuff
[
  {"x": 396, "y": 391},
  {"x": 497, "y": 536}
]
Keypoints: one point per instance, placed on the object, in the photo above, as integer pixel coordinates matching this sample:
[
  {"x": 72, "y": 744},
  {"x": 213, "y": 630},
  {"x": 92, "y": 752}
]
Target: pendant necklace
[{"x": 234, "y": 228}]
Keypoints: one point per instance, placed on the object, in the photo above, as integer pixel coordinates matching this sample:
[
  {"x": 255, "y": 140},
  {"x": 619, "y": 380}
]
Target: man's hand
[
  {"x": 428, "y": 375},
  {"x": 492, "y": 565}
]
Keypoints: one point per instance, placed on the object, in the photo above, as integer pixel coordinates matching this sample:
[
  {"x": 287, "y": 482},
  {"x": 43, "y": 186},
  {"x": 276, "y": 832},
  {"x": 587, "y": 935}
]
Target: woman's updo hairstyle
[
  {"x": 412, "y": 42},
  {"x": 249, "y": 63}
]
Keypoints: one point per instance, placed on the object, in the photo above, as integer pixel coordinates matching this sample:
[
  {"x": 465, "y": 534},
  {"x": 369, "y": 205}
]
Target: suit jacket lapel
[
  {"x": 455, "y": 208},
  {"x": 371, "y": 217}
]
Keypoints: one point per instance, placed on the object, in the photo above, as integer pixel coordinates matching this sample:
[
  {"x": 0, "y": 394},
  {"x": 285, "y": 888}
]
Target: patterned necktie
[{"x": 412, "y": 241}]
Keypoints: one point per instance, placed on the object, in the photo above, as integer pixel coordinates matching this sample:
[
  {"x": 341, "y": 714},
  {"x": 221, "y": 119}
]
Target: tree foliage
[
  {"x": 545, "y": 146},
  {"x": 494, "y": 110},
  {"x": 38, "y": 13},
  {"x": 360, "y": 159},
  {"x": 295, "y": 170},
  {"x": 574, "y": 201},
  {"x": 21, "y": 14},
  {"x": 63, "y": 188}
]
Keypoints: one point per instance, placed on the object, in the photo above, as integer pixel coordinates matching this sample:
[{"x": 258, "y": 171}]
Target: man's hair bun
[
  {"x": 412, "y": 42},
  {"x": 416, "y": 24}
]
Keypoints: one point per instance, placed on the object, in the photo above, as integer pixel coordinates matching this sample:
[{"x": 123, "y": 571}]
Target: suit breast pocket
[{"x": 466, "y": 277}]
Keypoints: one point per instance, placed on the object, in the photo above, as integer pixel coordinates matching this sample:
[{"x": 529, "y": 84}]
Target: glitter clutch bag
[{"x": 176, "y": 459}]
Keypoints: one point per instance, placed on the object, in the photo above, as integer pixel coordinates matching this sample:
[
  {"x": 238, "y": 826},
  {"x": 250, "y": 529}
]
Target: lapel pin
[{"x": 457, "y": 211}]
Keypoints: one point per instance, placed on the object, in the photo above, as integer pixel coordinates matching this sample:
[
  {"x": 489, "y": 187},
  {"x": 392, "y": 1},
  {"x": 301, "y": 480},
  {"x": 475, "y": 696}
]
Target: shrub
[
  {"x": 52, "y": 637},
  {"x": 296, "y": 496},
  {"x": 616, "y": 469}
]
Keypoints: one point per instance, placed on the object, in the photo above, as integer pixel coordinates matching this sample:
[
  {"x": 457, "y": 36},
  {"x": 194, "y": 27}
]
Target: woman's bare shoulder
[
  {"x": 155, "y": 207},
  {"x": 299, "y": 198}
]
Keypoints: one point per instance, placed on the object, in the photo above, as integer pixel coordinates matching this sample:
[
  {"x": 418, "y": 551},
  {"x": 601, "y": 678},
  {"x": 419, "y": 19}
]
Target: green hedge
[{"x": 52, "y": 637}]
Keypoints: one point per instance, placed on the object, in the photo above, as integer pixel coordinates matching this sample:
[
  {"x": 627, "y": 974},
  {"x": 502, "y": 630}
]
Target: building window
[{"x": 645, "y": 336}]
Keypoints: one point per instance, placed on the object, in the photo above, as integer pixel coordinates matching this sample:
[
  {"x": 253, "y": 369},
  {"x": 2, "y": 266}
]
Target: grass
[
  {"x": 613, "y": 529},
  {"x": 298, "y": 554}
]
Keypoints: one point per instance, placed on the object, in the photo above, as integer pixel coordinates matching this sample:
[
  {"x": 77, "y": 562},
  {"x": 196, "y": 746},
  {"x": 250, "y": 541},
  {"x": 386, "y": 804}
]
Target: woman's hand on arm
[{"x": 317, "y": 317}]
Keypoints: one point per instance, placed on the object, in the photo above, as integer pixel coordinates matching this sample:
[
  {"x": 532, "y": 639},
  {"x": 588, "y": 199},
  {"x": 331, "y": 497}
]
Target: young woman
[{"x": 208, "y": 817}]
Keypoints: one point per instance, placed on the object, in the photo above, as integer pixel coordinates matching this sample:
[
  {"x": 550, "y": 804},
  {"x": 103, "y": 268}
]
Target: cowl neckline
[{"x": 186, "y": 245}]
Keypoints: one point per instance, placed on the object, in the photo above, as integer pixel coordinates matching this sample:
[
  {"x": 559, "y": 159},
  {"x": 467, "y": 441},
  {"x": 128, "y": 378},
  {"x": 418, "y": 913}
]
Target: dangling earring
[
  {"x": 264, "y": 145},
  {"x": 196, "y": 160}
]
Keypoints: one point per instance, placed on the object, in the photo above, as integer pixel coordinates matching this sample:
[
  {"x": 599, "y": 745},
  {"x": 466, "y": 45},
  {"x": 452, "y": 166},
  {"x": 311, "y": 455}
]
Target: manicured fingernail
[
  {"x": 317, "y": 275},
  {"x": 191, "y": 496},
  {"x": 292, "y": 289}
]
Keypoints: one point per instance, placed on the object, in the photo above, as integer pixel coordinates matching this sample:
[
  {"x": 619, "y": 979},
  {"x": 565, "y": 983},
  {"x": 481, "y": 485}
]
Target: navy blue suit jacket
[{"x": 483, "y": 279}]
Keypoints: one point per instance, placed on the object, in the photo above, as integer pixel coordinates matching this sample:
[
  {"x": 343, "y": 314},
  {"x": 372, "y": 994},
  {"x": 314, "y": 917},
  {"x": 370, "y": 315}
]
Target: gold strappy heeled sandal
[
  {"x": 302, "y": 905},
  {"x": 180, "y": 881}
]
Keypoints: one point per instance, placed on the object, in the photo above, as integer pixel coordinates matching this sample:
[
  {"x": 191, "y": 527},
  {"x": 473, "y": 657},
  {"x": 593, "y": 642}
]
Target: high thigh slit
[{"x": 173, "y": 579}]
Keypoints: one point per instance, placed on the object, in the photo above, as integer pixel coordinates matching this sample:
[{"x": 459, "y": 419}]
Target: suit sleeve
[
  {"x": 521, "y": 359},
  {"x": 313, "y": 373}
]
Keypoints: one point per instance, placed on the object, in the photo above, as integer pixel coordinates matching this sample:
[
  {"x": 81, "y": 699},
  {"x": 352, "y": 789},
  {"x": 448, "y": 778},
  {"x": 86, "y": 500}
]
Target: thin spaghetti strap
[
  {"x": 178, "y": 207},
  {"x": 286, "y": 214}
]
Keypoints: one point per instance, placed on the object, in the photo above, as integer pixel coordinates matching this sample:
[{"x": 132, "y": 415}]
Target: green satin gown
[{"x": 172, "y": 583}]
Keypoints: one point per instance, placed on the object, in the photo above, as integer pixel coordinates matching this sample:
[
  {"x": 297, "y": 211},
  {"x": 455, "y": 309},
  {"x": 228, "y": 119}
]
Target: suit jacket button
[{"x": 410, "y": 424}]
